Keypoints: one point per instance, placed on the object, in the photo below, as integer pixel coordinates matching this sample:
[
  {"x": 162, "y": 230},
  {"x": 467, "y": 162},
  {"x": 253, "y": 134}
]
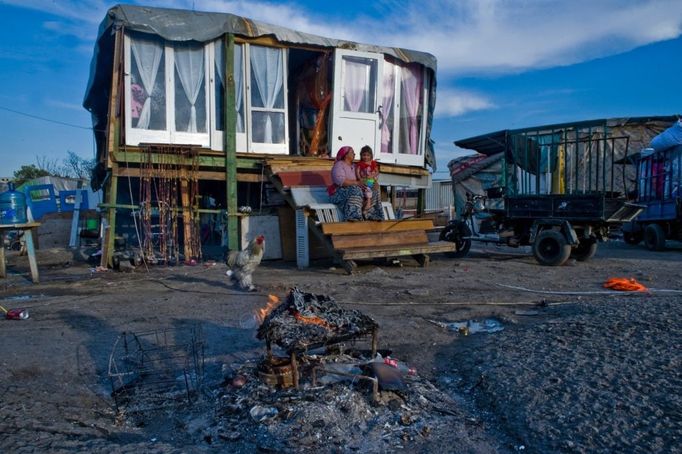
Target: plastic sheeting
[{"x": 669, "y": 138}]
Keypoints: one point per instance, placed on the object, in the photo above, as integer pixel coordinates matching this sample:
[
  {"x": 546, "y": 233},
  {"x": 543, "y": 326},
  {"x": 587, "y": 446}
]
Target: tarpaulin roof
[
  {"x": 184, "y": 25},
  {"x": 496, "y": 142}
]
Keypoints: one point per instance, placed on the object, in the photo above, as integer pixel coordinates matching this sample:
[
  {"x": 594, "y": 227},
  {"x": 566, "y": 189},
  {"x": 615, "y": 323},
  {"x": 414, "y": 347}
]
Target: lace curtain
[
  {"x": 189, "y": 63},
  {"x": 238, "y": 82},
  {"x": 387, "y": 108},
  {"x": 148, "y": 55},
  {"x": 356, "y": 86},
  {"x": 267, "y": 71}
]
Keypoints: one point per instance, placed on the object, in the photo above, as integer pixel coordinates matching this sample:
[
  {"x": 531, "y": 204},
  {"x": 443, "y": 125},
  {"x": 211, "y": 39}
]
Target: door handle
[{"x": 381, "y": 116}]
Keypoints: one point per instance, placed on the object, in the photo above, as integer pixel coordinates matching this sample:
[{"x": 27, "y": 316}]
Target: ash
[{"x": 339, "y": 417}]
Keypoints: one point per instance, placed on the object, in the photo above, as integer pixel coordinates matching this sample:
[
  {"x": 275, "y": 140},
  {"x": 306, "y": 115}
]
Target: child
[{"x": 367, "y": 172}]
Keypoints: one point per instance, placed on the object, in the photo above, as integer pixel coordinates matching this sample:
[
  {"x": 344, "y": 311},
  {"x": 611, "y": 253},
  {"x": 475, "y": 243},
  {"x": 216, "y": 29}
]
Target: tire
[
  {"x": 585, "y": 250},
  {"x": 633, "y": 237},
  {"x": 654, "y": 237},
  {"x": 455, "y": 233},
  {"x": 550, "y": 248}
]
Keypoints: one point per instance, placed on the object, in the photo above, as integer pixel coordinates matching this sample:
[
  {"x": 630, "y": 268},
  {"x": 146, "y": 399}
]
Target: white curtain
[
  {"x": 412, "y": 80},
  {"x": 189, "y": 62},
  {"x": 268, "y": 71},
  {"x": 387, "y": 106},
  {"x": 147, "y": 55},
  {"x": 356, "y": 86},
  {"x": 238, "y": 79}
]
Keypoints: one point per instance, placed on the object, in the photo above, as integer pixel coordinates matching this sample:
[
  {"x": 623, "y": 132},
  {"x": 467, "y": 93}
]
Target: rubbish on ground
[
  {"x": 260, "y": 413},
  {"x": 625, "y": 284},
  {"x": 239, "y": 381},
  {"x": 15, "y": 314},
  {"x": 467, "y": 327},
  {"x": 528, "y": 313}
]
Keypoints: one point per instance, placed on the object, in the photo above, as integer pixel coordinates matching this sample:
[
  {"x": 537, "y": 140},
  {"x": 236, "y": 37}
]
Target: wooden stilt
[
  {"x": 186, "y": 219},
  {"x": 110, "y": 231}
]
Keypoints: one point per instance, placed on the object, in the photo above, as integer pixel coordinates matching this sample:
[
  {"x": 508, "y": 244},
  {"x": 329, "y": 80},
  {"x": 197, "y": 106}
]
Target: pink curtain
[{"x": 412, "y": 82}]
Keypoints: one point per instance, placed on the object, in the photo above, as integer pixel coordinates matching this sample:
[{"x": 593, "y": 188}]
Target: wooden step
[
  {"x": 396, "y": 225},
  {"x": 379, "y": 239},
  {"x": 359, "y": 253}
]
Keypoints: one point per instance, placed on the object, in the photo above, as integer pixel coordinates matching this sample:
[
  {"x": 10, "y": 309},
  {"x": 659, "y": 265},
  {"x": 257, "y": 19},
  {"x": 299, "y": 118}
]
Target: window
[
  {"x": 166, "y": 92},
  {"x": 404, "y": 109},
  {"x": 175, "y": 93}
]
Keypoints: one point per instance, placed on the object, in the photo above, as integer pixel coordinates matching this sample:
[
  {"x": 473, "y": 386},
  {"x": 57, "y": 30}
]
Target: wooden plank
[
  {"x": 370, "y": 252},
  {"x": 380, "y": 239},
  {"x": 345, "y": 228},
  {"x": 305, "y": 178}
]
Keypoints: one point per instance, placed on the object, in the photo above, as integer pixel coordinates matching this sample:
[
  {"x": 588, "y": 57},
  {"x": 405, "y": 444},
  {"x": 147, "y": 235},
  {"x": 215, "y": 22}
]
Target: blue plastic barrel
[{"x": 12, "y": 207}]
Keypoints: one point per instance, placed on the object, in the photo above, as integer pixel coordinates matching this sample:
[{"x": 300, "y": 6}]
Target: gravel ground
[
  {"x": 598, "y": 376},
  {"x": 569, "y": 372}
]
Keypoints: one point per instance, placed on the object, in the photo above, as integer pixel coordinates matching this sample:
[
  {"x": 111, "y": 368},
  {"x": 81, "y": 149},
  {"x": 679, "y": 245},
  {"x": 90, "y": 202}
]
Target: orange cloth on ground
[{"x": 625, "y": 284}]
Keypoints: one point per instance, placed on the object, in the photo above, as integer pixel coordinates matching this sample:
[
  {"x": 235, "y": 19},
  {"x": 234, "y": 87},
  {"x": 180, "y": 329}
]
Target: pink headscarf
[{"x": 343, "y": 151}]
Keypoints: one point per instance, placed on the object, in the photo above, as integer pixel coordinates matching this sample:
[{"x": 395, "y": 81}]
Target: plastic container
[{"x": 12, "y": 207}]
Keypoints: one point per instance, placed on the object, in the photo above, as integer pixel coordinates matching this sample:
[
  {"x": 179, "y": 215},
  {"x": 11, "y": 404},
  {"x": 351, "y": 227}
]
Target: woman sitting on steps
[{"x": 346, "y": 191}]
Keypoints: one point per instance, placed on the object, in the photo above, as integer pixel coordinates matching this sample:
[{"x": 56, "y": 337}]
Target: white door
[{"x": 356, "y": 109}]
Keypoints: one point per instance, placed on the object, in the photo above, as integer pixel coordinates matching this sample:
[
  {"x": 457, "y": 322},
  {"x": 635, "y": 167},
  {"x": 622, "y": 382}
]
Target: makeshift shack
[{"x": 197, "y": 116}]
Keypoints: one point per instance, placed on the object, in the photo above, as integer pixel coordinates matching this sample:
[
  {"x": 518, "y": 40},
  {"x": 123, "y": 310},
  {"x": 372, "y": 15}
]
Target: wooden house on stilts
[{"x": 202, "y": 119}]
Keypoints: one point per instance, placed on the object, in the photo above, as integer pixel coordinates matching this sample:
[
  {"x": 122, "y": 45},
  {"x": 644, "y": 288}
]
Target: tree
[
  {"x": 77, "y": 167},
  {"x": 26, "y": 173}
]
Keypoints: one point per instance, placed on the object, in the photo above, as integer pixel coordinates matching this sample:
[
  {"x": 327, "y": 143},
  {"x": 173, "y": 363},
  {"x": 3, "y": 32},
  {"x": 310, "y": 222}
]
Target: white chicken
[{"x": 242, "y": 264}]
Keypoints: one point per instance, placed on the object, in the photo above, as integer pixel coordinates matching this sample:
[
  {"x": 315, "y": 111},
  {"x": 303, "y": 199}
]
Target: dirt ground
[{"x": 574, "y": 369}]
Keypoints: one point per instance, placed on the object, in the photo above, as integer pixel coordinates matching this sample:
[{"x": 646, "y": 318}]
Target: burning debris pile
[
  {"x": 315, "y": 396},
  {"x": 306, "y": 321}
]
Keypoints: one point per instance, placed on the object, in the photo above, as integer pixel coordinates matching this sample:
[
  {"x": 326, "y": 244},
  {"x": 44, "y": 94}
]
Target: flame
[
  {"x": 313, "y": 320},
  {"x": 273, "y": 302}
]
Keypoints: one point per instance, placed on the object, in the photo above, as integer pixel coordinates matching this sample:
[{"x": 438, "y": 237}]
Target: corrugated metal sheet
[{"x": 439, "y": 195}]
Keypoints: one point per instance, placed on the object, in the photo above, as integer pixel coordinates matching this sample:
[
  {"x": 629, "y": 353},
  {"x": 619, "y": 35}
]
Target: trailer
[
  {"x": 658, "y": 190},
  {"x": 561, "y": 191}
]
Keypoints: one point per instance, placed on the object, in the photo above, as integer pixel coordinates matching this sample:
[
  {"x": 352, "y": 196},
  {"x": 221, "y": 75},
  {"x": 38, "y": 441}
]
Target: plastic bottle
[{"x": 12, "y": 207}]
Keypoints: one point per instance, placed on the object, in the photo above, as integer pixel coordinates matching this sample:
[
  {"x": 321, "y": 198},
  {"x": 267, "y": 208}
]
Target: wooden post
[
  {"x": 31, "y": 251},
  {"x": 113, "y": 140},
  {"x": 110, "y": 231},
  {"x": 230, "y": 146},
  {"x": 186, "y": 217}
]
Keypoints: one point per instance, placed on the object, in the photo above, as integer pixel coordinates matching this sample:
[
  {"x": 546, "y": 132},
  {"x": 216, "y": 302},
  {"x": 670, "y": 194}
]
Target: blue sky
[{"x": 501, "y": 63}]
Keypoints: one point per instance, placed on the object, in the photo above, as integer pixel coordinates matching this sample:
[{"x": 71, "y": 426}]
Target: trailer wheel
[
  {"x": 632, "y": 237},
  {"x": 550, "y": 248},
  {"x": 585, "y": 250},
  {"x": 654, "y": 237},
  {"x": 455, "y": 233}
]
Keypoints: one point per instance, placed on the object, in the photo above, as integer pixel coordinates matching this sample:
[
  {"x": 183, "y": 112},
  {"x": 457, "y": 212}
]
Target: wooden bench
[{"x": 352, "y": 241}]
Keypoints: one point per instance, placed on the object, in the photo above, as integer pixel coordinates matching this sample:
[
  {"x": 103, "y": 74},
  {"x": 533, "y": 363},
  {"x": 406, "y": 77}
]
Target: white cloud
[
  {"x": 467, "y": 36},
  {"x": 498, "y": 36},
  {"x": 451, "y": 103}
]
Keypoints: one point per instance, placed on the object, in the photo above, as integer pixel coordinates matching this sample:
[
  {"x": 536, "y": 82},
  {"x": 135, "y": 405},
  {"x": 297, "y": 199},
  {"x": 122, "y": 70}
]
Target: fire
[
  {"x": 273, "y": 302},
  {"x": 313, "y": 320}
]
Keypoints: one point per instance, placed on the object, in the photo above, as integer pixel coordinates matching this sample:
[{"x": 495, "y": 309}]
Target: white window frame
[
  {"x": 245, "y": 143},
  {"x": 136, "y": 136},
  {"x": 217, "y": 139},
  {"x": 394, "y": 156},
  {"x": 257, "y": 147}
]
